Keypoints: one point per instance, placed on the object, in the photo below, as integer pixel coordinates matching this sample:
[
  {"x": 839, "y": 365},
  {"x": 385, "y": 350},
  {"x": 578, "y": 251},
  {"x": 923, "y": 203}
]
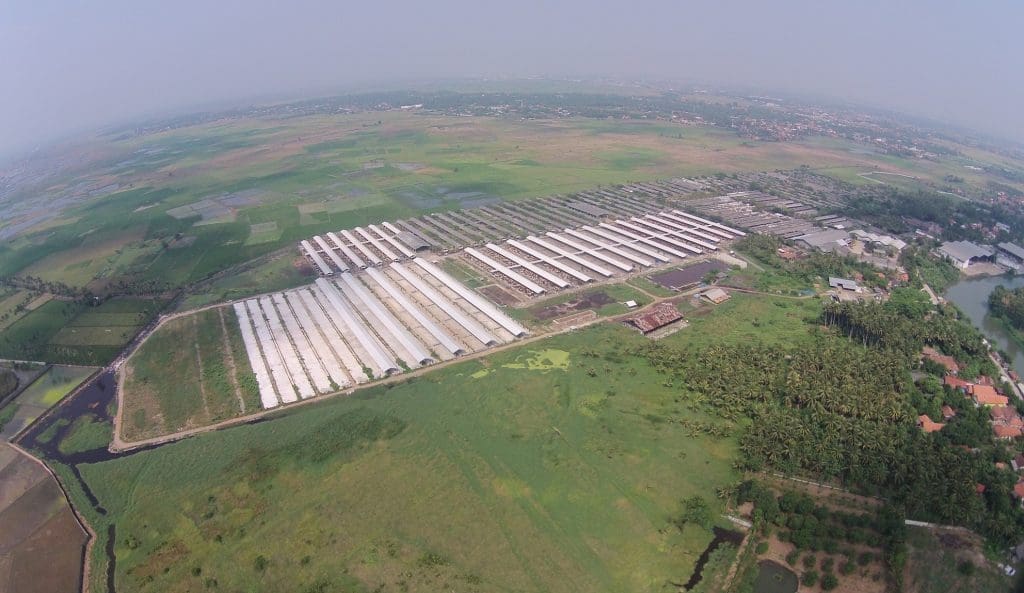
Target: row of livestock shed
[
  {"x": 444, "y": 232},
  {"x": 551, "y": 261},
  {"x": 353, "y": 328},
  {"x": 359, "y": 248}
]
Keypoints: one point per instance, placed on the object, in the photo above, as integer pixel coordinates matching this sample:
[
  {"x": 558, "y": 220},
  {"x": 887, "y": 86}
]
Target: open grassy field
[
  {"x": 747, "y": 318},
  {"x": 277, "y": 272},
  {"x": 935, "y": 558},
  {"x": 191, "y": 372},
  {"x": 13, "y": 304},
  {"x": 69, "y": 332},
  {"x": 200, "y": 199},
  {"x": 536, "y": 469}
]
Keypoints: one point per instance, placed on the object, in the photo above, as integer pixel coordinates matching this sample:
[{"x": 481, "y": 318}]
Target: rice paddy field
[
  {"x": 187, "y": 203},
  {"x": 47, "y": 390},
  {"x": 41, "y": 543},
  {"x": 70, "y": 332}
]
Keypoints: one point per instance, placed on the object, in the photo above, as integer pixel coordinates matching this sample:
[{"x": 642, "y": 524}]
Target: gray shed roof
[
  {"x": 843, "y": 283},
  {"x": 964, "y": 250},
  {"x": 1013, "y": 249},
  {"x": 825, "y": 237}
]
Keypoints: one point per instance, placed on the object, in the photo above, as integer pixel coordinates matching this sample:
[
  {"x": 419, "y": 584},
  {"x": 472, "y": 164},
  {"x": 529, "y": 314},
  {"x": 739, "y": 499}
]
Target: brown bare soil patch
[
  {"x": 41, "y": 541},
  {"x": 500, "y": 295},
  {"x": 593, "y": 300}
]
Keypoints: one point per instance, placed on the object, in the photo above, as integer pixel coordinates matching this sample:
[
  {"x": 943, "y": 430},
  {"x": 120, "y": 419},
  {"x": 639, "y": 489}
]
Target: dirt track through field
[{"x": 230, "y": 357}]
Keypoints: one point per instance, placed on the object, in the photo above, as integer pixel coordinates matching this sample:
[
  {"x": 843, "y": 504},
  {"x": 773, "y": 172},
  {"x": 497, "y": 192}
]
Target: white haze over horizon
[{"x": 73, "y": 65}]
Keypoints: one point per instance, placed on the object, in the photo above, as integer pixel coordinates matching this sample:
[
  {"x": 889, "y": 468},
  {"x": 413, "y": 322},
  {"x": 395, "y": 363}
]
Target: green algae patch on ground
[{"x": 541, "y": 360}]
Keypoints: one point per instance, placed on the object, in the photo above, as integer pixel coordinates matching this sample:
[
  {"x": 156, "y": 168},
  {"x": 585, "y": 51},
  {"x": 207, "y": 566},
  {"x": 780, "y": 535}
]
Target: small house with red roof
[
  {"x": 948, "y": 362},
  {"x": 986, "y": 395},
  {"x": 925, "y": 423}
]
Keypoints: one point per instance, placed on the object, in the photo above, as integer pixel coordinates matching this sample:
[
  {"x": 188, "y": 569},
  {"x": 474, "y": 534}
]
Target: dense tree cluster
[
  {"x": 845, "y": 410},
  {"x": 8, "y": 382},
  {"x": 1008, "y": 304},
  {"x": 925, "y": 268},
  {"x": 813, "y": 266},
  {"x": 894, "y": 209}
]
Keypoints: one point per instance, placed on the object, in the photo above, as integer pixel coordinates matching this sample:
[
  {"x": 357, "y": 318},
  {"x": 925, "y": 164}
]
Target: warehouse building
[{"x": 964, "y": 253}]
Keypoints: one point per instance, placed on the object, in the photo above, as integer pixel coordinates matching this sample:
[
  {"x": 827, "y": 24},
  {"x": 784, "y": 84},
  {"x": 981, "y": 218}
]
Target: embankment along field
[
  {"x": 191, "y": 372},
  {"x": 532, "y": 469}
]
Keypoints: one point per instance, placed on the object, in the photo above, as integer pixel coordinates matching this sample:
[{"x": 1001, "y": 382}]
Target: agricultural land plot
[
  {"x": 544, "y": 457},
  {"x": 263, "y": 232},
  {"x": 278, "y": 272},
  {"x": 113, "y": 323},
  {"x": 261, "y": 172},
  {"x": 14, "y": 304},
  {"x": 746, "y": 318},
  {"x": 95, "y": 256},
  {"x": 29, "y": 337},
  {"x": 186, "y": 374},
  {"x": 46, "y": 391},
  {"x": 41, "y": 543}
]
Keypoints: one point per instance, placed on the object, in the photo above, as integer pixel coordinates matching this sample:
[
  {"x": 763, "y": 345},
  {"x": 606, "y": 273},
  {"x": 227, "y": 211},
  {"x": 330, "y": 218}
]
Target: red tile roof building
[
  {"x": 925, "y": 423},
  {"x": 946, "y": 361},
  {"x": 656, "y": 317},
  {"x": 1006, "y": 415},
  {"x": 1006, "y": 433},
  {"x": 986, "y": 395}
]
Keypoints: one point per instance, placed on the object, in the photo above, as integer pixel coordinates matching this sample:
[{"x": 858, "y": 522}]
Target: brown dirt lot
[{"x": 586, "y": 302}]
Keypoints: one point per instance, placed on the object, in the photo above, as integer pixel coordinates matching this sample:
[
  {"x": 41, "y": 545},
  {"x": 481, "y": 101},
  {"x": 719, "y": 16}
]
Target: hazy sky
[{"x": 70, "y": 64}]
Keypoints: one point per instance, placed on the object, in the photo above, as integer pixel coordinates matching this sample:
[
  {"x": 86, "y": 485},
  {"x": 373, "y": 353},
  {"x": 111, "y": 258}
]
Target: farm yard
[
  {"x": 604, "y": 234},
  {"x": 325, "y": 337}
]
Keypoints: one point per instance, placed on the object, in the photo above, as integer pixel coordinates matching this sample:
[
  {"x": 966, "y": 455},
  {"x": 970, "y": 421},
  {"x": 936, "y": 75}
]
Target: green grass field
[
  {"x": 71, "y": 333},
  {"x": 746, "y": 318},
  {"x": 277, "y": 273},
  {"x": 534, "y": 469},
  {"x": 164, "y": 390},
  {"x": 293, "y": 178},
  {"x": 10, "y": 303}
]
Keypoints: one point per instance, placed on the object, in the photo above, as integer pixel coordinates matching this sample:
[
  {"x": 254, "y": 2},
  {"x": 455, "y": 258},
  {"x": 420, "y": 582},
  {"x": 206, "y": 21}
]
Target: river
[{"x": 971, "y": 295}]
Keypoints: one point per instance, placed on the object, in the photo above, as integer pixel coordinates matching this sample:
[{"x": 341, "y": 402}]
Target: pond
[
  {"x": 971, "y": 296},
  {"x": 773, "y": 577}
]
